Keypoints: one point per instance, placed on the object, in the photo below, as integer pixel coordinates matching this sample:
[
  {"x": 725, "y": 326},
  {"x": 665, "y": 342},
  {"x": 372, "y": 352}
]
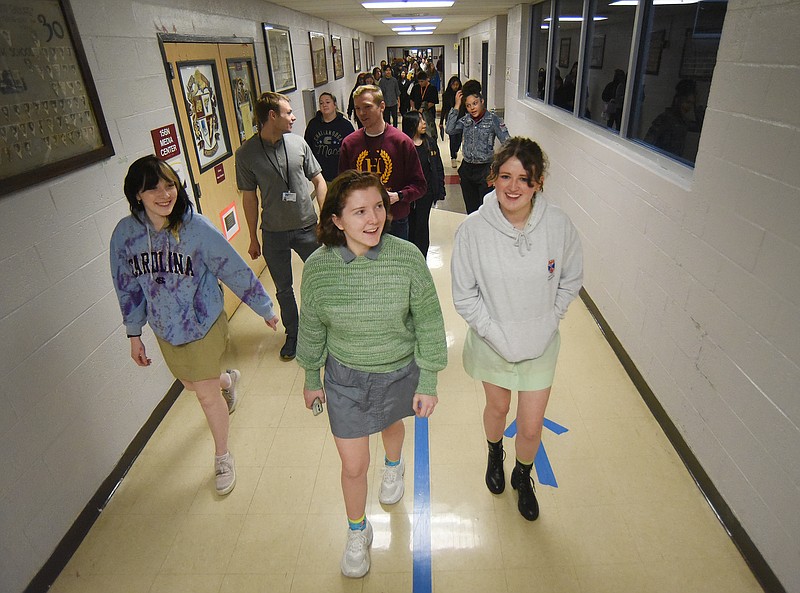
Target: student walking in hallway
[
  {"x": 516, "y": 266},
  {"x": 166, "y": 261}
]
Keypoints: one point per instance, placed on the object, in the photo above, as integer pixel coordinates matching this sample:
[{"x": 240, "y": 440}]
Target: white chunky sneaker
[
  {"x": 392, "y": 485},
  {"x": 230, "y": 393},
  {"x": 355, "y": 561},
  {"x": 225, "y": 473}
]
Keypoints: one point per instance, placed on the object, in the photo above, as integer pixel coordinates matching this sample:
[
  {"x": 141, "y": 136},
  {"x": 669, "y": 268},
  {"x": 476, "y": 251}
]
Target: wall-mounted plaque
[{"x": 51, "y": 121}]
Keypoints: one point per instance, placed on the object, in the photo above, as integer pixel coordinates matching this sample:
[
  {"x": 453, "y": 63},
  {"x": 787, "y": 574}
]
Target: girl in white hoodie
[{"x": 517, "y": 264}]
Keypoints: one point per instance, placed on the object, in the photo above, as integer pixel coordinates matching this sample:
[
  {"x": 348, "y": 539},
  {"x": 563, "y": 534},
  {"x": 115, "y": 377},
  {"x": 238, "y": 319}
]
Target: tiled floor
[{"x": 626, "y": 516}]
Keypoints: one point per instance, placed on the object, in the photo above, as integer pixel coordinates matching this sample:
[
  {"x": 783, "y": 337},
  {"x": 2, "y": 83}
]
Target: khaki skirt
[
  {"x": 198, "y": 360},
  {"x": 482, "y": 363}
]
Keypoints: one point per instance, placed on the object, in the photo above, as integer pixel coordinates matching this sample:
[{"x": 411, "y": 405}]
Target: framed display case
[
  {"x": 338, "y": 58},
  {"x": 51, "y": 120}
]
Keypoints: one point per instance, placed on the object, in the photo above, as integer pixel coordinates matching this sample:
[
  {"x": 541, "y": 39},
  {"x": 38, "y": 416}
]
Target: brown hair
[
  {"x": 529, "y": 153},
  {"x": 267, "y": 102},
  {"x": 338, "y": 191}
]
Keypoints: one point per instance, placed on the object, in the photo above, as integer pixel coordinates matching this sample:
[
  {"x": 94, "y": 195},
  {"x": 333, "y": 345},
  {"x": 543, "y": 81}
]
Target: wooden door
[{"x": 215, "y": 86}]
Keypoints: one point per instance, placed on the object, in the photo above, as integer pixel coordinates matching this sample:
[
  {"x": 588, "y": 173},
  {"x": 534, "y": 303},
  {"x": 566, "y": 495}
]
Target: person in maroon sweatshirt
[{"x": 388, "y": 153}]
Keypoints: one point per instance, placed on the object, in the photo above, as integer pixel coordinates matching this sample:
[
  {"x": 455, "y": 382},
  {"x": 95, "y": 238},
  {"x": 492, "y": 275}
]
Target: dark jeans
[
  {"x": 473, "y": 184},
  {"x": 390, "y": 111},
  {"x": 455, "y": 144},
  {"x": 277, "y": 249},
  {"x": 399, "y": 228},
  {"x": 419, "y": 232}
]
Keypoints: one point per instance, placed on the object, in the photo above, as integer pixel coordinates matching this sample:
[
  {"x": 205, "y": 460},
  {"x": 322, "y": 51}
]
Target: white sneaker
[
  {"x": 225, "y": 473},
  {"x": 355, "y": 561},
  {"x": 454, "y": 163},
  {"x": 230, "y": 393},
  {"x": 392, "y": 485}
]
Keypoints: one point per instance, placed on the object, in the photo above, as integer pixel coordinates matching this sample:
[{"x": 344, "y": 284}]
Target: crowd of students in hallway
[{"x": 370, "y": 315}]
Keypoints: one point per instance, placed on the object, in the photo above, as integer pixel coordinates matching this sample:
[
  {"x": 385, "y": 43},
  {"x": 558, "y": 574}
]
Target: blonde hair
[{"x": 377, "y": 94}]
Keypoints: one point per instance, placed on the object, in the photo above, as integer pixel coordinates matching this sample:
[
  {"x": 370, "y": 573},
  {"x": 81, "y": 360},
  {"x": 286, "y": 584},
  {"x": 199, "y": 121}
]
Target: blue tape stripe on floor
[
  {"x": 544, "y": 470},
  {"x": 422, "y": 509},
  {"x": 555, "y": 427},
  {"x": 511, "y": 430}
]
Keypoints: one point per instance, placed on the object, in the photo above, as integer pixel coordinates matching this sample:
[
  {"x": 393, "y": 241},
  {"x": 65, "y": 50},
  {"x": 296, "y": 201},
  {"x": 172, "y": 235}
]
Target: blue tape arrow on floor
[{"x": 544, "y": 470}]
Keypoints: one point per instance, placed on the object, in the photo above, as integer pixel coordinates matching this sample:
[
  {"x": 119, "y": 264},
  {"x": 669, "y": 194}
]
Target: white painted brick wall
[
  {"x": 72, "y": 398},
  {"x": 699, "y": 270}
]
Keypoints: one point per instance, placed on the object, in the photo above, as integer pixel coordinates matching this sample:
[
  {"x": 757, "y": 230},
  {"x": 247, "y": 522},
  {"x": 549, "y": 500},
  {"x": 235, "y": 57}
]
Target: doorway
[
  {"x": 214, "y": 86},
  {"x": 485, "y": 67}
]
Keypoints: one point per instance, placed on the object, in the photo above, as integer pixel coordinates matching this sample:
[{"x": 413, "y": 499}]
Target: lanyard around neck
[{"x": 276, "y": 163}]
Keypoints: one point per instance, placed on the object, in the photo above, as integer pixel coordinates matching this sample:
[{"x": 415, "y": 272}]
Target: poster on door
[{"x": 209, "y": 135}]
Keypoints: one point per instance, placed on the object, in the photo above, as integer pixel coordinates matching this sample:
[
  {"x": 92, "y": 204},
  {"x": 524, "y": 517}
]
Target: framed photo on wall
[
  {"x": 598, "y": 51},
  {"x": 243, "y": 91},
  {"x": 51, "y": 120},
  {"x": 356, "y": 57},
  {"x": 319, "y": 61},
  {"x": 200, "y": 85},
  {"x": 654, "y": 51},
  {"x": 280, "y": 59},
  {"x": 338, "y": 58},
  {"x": 563, "y": 53}
]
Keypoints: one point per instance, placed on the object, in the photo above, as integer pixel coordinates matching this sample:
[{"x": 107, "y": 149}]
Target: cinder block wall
[
  {"x": 698, "y": 271},
  {"x": 72, "y": 400}
]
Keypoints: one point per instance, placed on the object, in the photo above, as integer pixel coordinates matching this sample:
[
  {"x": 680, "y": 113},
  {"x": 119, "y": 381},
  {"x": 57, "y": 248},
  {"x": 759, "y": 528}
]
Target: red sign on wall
[
  {"x": 165, "y": 142},
  {"x": 219, "y": 171}
]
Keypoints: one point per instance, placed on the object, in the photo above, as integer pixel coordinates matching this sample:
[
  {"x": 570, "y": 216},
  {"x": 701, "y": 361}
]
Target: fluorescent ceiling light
[
  {"x": 415, "y": 33},
  {"x": 425, "y": 27},
  {"x": 412, "y": 21},
  {"x": 410, "y": 4},
  {"x": 403, "y": 28},
  {"x": 575, "y": 19},
  {"x": 655, "y": 2}
]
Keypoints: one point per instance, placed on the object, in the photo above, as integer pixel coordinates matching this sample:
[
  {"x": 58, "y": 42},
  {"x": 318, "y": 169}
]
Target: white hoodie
[{"x": 513, "y": 286}]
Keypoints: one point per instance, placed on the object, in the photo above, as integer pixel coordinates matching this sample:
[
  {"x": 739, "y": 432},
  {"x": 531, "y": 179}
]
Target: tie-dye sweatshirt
[{"x": 169, "y": 279}]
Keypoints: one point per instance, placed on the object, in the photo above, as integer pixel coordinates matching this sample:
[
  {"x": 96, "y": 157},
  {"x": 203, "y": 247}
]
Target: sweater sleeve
[
  {"x": 132, "y": 301},
  {"x": 467, "y": 297},
  {"x": 571, "y": 280},
  {"x": 430, "y": 351},
  {"x": 226, "y": 264},
  {"x": 312, "y": 336}
]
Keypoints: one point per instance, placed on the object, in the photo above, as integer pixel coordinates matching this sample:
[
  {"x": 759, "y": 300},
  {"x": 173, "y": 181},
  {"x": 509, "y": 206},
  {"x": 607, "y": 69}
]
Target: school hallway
[{"x": 622, "y": 514}]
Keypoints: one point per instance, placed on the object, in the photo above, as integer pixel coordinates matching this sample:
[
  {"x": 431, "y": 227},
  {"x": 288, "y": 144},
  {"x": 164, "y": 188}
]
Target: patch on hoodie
[{"x": 551, "y": 269}]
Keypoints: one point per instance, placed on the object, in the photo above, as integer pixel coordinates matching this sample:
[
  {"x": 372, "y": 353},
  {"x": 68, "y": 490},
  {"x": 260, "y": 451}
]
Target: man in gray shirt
[
  {"x": 280, "y": 164},
  {"x": 391, "y": 94}
]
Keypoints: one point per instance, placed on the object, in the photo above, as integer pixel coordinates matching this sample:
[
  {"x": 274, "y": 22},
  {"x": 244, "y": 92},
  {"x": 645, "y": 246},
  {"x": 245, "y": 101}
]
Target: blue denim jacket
[{"x": 478, "y": 143}]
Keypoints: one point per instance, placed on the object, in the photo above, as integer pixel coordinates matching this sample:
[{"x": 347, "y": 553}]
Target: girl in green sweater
[{"x": 370, "y": 315}]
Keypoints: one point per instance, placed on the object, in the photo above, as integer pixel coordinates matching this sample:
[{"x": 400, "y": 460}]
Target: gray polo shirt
[{"x": 264, "y": 166}]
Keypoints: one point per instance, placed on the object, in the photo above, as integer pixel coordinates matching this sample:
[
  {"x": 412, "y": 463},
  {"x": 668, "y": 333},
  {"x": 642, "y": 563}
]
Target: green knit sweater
[{"x": 373, "y": 315}]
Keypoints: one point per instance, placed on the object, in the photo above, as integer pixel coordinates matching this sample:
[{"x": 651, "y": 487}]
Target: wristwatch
[{"x": 399, "y": 196}]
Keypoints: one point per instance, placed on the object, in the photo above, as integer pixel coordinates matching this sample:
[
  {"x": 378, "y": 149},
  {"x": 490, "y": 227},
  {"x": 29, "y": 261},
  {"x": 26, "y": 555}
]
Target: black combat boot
[
  {"x": 495, "y": 476},
  {"x": 522, "y": 482}
]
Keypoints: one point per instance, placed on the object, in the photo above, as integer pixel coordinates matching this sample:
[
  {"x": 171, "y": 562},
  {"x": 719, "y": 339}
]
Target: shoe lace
[
  {"x": 356, "y": 541},
  {"x": 391, "y": 474},
  {"x": 223, "y": 467}
]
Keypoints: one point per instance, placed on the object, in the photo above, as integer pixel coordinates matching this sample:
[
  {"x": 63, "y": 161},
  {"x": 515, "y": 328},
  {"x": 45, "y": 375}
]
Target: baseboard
[
  {"x": 758, "y": 565},
  {"x": 80, "y": 528}
]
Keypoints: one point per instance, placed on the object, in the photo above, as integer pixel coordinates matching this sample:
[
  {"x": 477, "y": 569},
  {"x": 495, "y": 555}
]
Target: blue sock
[
  {"x": 390, "y": 463},
  {"x": 358, "y": 524}
]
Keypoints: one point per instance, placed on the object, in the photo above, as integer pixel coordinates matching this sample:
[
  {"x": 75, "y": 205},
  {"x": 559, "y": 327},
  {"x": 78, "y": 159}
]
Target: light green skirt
[{"x": 482, "y": 363}]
